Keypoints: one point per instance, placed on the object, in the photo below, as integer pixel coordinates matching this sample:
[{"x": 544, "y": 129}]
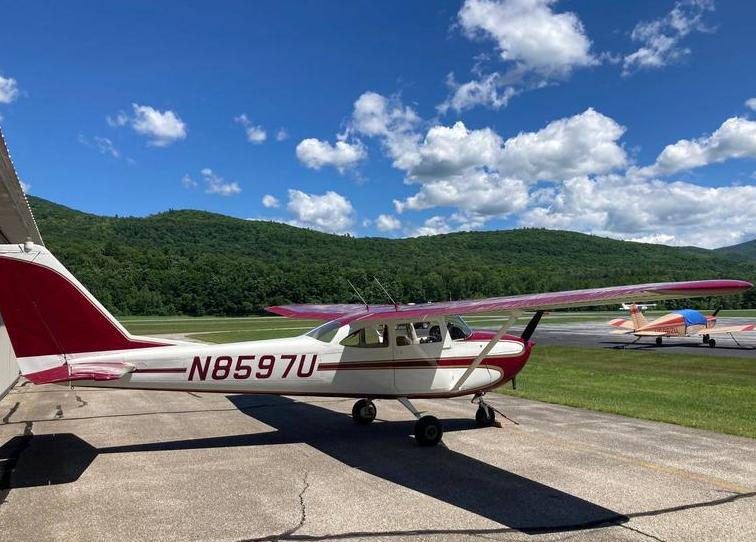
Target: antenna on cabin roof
[
  {"x": 385, "y": 291},
  {"x": 356, "y": 291}
]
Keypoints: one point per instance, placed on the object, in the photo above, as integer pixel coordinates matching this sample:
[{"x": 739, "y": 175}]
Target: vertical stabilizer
[{"x": 637, "y": 317}]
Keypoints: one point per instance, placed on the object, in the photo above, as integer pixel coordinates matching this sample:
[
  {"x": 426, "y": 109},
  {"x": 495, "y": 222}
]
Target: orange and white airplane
[
  {"x": 681, "y": 323},
  {"x": 61, "y": 334}
]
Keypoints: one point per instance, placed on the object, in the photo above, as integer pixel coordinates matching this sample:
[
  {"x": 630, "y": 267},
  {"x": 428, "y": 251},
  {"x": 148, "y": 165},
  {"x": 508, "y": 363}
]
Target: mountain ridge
[{"x": 197, "y": 262}]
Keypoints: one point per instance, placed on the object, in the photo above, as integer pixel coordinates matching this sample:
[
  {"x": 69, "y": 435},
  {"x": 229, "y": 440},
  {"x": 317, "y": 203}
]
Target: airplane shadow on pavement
[{"x": 383, "y": 449}]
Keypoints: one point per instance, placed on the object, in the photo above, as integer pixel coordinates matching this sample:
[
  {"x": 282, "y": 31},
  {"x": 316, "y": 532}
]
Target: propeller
[
  {"x": 531, "y": 327},
  {"x": 717, "y": 311}
]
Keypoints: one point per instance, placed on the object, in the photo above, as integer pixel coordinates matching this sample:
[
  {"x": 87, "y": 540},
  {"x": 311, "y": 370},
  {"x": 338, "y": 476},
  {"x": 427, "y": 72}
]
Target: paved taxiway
[
  {"x": 129, "y": 465},
  {"x": 598, "y": 335}
]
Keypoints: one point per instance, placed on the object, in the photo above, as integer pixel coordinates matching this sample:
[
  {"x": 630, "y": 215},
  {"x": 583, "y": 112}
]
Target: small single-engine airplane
[
  {"x": 61, "y": 333},
  {"x": 682, "y": 323},
  {"x": 642, "y": 307}
]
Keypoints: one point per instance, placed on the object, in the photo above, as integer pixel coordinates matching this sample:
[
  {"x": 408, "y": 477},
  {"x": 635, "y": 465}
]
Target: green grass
[{"x": 718, "y": 394}]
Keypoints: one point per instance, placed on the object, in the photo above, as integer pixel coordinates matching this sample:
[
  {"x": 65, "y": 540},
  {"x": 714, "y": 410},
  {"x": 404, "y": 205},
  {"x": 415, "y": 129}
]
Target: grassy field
[{"x": 718, "y": 394}]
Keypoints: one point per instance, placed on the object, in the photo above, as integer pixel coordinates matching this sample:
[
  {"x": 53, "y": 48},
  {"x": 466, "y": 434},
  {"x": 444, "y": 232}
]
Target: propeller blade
[
  {"x": 531, "y": 327},
  {"x": 717, "y": 311}
]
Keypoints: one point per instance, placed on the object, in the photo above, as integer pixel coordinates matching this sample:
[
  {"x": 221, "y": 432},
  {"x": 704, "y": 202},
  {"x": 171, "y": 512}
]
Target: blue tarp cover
[{"x": 692, "y": 318}]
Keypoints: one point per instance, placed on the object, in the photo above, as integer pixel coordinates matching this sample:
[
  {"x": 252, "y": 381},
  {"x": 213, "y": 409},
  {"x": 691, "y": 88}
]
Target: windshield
[
  {"x": 325, "y": 332},
  {"x": 457, "y": 327}
]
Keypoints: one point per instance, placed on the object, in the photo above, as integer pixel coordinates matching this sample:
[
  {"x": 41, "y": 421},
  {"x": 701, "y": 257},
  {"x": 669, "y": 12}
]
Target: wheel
[
  {"x": 712, "y": 343},
  {"x": 428, "y": 431},
  {"x": 485, "y": 416},
  {"x": 658, "y": 341},
  {"x": 364, "y": 411},
  {"x": 706, "y": 339}
]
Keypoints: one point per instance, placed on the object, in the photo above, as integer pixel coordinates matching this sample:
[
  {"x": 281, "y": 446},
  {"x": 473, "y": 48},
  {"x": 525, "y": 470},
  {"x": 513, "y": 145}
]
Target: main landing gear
[
  {"x": 364, "y": 411},
  {"x": 658, "y": 341},
  {"x": 428, "y": 429},
  {"x": 708, "y": 340}
]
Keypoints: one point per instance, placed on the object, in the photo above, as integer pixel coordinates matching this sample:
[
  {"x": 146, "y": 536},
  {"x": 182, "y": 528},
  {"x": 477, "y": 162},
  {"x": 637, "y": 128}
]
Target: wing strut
[{"x": 486, "y": 349}]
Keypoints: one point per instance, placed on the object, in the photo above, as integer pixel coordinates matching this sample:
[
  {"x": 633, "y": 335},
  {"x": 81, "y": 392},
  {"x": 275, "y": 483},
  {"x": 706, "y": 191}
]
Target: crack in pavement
[
  {"x": 58, "y": 412},
  {"x": 302, "y": 516},
  {"x": 82, "y": 402},
  {"x": 649, "y": 535}
]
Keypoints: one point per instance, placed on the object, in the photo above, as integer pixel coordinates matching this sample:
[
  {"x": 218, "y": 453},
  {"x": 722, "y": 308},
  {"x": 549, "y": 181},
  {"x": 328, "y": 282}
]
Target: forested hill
[
  {"x": 195, "y": 262},
  {"x": 745, "y": 250}
]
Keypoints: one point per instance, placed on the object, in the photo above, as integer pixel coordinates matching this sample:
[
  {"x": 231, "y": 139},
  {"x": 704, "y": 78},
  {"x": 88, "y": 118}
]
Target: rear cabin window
[
  {"x": 326, "y": 332},
  {"x": 367, "y": 337}
]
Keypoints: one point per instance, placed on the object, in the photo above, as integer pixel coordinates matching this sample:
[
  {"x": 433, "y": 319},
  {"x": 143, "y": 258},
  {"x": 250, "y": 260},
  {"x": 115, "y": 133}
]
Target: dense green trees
[{"x": 197, "y": 263}]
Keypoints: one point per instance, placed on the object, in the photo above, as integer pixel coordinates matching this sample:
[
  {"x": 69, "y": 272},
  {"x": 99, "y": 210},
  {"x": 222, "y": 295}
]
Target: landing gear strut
[
  {"x": 364, "y": 411},
  {"x": 428, "y": 429}
]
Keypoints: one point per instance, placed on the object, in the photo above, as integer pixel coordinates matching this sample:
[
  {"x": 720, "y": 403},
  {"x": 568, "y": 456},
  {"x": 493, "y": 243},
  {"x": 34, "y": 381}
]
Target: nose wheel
[
  {"x": 364, "y": 411},
  {"x": 485, "y": 416}
]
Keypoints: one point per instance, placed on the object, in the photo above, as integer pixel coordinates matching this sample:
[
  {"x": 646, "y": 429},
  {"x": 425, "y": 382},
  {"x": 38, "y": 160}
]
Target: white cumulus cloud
[
  {"x": 330, "y": 212},
  {"x": 735, "y": 138},
  {"x": 530, "y": 34},
  {"x": 214, "y": 183},
  {"x": 583, "y": 144},
  {"x": 270, "y": 201},
  {"x": 315, "y": 154},
  {"x": 255, "y": 133},
  {"x": 161, "y": 127},
  {"x": 751, "y": 104},
  {"x": 649, "y": 210},
  {"x": 387, "y": 223},
  {"x": 8, "y": 90},
  {"x": 282, "y": 134},
  {"x": 660, "y": 39},
  {"x": 490, "y": 91}
]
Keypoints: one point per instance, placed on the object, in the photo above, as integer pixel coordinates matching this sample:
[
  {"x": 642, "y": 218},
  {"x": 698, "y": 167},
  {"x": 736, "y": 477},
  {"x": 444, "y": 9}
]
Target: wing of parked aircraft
[
  {"x": 727, "y": 329},
  {"x": 518, "y": 303}
]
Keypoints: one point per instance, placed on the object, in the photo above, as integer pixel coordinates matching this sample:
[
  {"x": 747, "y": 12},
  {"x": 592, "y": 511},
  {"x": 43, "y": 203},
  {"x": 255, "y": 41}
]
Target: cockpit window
[
  {"x": 458, "y": 328},
  {"x": 325, "y": 332}
]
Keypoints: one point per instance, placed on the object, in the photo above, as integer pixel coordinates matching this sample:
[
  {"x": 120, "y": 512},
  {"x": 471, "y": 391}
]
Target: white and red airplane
[
  {"x": 61, "y": 333},
  {"x": 681, "y": 323}
]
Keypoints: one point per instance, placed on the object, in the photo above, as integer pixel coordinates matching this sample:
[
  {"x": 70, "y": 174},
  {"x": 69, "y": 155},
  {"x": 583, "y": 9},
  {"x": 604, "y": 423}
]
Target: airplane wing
[
  {"x": 727, "y": 329},
  {"x": 518, "y": 303}
]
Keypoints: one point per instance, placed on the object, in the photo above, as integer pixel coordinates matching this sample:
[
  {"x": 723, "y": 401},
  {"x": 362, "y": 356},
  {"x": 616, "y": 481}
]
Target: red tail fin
[{"x": 48, "y": 314}]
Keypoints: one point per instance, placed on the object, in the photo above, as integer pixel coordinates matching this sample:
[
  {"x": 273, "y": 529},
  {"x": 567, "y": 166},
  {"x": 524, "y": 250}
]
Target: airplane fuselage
[{"x": 307, "y": 366}]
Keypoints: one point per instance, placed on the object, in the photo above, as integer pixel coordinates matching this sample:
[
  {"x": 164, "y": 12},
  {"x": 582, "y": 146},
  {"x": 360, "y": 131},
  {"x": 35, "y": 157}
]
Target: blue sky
[{"x": 630, "y": 120}]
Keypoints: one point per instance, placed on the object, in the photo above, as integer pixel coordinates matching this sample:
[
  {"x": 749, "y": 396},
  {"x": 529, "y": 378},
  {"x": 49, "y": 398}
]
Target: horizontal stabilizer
[
  {"x": 82, "y": 371},
  {"x": 621, "y": 322}
]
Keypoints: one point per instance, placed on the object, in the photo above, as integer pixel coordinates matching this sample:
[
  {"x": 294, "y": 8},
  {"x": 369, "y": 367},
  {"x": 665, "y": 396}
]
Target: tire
[
  {"x": 712, "y": 343},
  {"x": 428, "y": 431},
  {"x": 706, "y": 339},
  {"x": 485, "y": 416},
  {"x": 658, "y": 341},
  {"x": 364, "y": 411}
]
